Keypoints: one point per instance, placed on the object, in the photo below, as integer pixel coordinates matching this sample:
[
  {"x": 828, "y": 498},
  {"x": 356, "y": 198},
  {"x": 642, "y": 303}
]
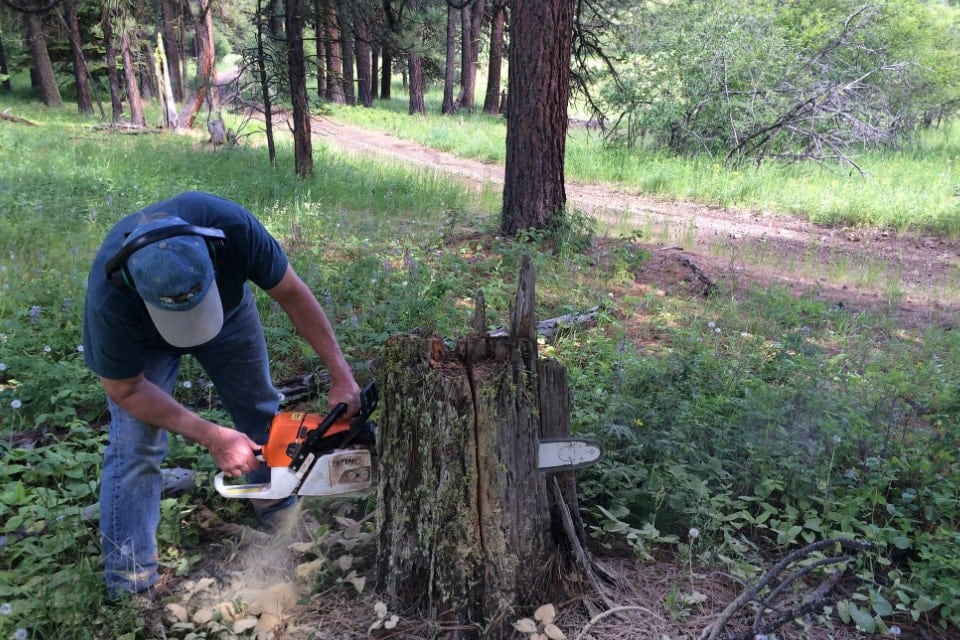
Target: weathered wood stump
[{"x": 470, "y": 534}]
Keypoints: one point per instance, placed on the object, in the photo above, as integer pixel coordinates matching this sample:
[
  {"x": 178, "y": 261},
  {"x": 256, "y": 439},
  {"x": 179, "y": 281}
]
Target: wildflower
[
  {"x": 403, "y": 284},
  {"x": 280, "y": 396},
  {"x": 717, "y": 330},
  {"x": 47, "y": 348},
  {"x": 744, "y": 334},
  {"x": 3, "y": 367},
  {"x": 711, "y": 324},
  {"x": 187, "y": 384},
  {"x": 20, "y": 634},
  {"x": 15, "y": 404},
  {"x": 836, "y": 439},
  {"x": 694, "y": 533},
  {"x": 79, "y": 348},
  {"x": 34, "y": 314},
  {"x": 760, "y": 636},
  {"x": 894, "y": 631},
  {"x": 6, "y": 609}
]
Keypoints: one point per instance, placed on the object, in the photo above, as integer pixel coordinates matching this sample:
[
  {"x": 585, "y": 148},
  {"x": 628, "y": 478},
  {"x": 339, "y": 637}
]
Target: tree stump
[{"x": 469, "y": 535}]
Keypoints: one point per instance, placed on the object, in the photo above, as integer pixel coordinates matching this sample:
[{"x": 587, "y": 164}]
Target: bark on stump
[{"x": 469, "y": 534}]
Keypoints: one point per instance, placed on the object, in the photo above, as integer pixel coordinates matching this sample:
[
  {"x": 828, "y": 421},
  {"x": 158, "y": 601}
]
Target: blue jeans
[{"x": 236, "y": 361}]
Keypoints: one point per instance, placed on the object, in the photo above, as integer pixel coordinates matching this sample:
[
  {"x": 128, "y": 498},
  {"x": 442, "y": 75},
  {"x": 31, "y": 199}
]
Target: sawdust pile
[{"x": 263, "y": 599}]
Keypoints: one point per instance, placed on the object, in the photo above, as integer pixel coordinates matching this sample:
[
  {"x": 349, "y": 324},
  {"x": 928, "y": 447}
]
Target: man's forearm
[{"x": 150, "y": 404}]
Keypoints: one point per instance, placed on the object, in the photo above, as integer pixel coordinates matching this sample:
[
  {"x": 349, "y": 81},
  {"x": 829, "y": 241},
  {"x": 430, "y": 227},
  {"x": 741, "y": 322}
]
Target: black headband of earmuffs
[{"x": 116, "y": 267}]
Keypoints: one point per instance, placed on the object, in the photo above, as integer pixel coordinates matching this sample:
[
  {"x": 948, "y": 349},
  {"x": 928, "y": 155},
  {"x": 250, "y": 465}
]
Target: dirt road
[{"x": 915, "y": 277}]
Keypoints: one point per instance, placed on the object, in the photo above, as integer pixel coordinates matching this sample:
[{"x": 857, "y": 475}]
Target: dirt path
[{"x": 915, "y": 277}]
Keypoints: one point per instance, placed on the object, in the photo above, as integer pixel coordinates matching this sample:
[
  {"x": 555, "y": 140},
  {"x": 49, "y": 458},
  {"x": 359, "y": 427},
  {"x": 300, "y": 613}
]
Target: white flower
[
  {"x": 3, "y": 367},
  {"x": 15, "y": 404},
  {"x": 894, "y": 631},
  {"x": 47, "y": 348},
  {"x": 281, "y": 397},
  {"x": 20, "y": 634},
  {"x": 187, "y": 384},
  {"x": 79, "y": 348},
  {"x": 717, "y": 330},
  {"x": 694, "y": 533},
  {"x": 6, "y": 609},
  {"x": 711, "y": 324},
  {"x": 744, "y": 334}
]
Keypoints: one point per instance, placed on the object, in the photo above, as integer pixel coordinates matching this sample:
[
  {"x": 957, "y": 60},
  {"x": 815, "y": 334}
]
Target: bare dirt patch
[{"x": 915, "y": 277}]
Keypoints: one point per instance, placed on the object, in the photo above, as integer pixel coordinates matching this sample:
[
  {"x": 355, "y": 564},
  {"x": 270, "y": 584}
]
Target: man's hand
[
  {"x": 232, "y": 451},
  {"x": 346, "y": 391}
]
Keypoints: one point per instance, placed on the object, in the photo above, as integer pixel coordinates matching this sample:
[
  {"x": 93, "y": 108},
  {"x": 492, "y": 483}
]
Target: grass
[
  {"x": 914, "y": 189},
  {"x": 849, "y": 423}
]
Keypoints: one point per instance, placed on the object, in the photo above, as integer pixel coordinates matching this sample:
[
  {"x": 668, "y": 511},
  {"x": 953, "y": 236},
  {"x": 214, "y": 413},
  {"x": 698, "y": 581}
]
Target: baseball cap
[{"x": 175, "y": 278}]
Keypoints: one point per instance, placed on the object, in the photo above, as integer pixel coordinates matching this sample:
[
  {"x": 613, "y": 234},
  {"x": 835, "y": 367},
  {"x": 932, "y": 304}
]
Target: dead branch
[
  {"x": 774, "y": 586},
  {"x": 551, "y": 326},
  {"x": 6, "y": 115}
]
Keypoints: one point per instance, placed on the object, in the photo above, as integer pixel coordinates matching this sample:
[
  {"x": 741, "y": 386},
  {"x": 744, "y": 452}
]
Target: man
[{"x": 170, "y": 280}]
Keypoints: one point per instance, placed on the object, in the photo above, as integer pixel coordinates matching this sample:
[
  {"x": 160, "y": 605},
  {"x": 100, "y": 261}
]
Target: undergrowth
[{"x": 759, "y": 420}]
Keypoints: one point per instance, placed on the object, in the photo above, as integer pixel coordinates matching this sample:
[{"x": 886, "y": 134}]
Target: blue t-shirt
[{"x": 117, "y": 330}]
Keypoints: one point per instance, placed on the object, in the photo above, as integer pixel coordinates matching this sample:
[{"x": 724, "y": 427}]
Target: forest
[{"x": 779, "y": 420}]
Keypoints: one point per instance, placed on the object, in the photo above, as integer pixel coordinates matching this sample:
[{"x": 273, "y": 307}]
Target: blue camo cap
[{"x": 175, "y": 278}]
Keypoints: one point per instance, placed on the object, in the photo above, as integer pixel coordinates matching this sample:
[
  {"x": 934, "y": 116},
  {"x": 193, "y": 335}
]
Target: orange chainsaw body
[{"x": 289, "y": 429}]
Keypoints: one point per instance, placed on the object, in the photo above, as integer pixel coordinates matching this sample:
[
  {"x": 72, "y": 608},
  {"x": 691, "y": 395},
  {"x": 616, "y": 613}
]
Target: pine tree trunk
[
  {"x": 491, "y": 102},
  {"x": 541, "y": 37},
  {"x": 80, "y": 72},
  {"x": 302, "y": 142},
  {"x": 37, "y": 41}
]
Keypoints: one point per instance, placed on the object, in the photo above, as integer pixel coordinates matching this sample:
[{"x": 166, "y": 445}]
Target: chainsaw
[{"x": 328, "y": 456}]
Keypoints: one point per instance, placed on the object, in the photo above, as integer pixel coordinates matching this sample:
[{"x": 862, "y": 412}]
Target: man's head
[{"x": 175, "y": 278}]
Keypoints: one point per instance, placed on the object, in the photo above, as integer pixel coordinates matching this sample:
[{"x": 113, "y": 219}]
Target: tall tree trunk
[
  {"x": 491, "y": 101},
  {"x": 36, "y": 40},
  {"x": 362, "y": 50},
  {"x": 374, "y": 70},
  {"x": 334, "y": 88},
  {"x": 276, "y": 19},
  {"x": 386, "y": 73},
  {"x": 302, "y": 144},
  {"x": 168, "y": 105},
  {"x": 320, "y": 20},
  {"x": 206, "y": 64},
  {"x": 116, "y": 103},
  {"x": 468, "y": 55},
  {"x": 450, "y": 70},
  {"x": 172, "y": 47},
  {"x": 130, "y": 77},
  {"x": 541, "y": 37},
  {"x": 345, "y": 18},
  {"x": 80, "y": 72},
  {"x": 415, "y": 66},
  {"x": 4, "y": 70},
  {"x": 264, "y": 86}
]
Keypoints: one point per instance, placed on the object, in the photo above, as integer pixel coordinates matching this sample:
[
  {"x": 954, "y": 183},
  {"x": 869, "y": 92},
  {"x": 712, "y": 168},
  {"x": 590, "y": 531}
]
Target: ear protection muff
[{"x": 116, "y": 267}]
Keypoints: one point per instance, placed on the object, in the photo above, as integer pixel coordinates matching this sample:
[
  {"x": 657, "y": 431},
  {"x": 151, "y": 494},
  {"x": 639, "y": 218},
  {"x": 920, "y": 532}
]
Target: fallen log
[
  {"x": 549, "y": 328},
  {"x": 6, "y": 115}
]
